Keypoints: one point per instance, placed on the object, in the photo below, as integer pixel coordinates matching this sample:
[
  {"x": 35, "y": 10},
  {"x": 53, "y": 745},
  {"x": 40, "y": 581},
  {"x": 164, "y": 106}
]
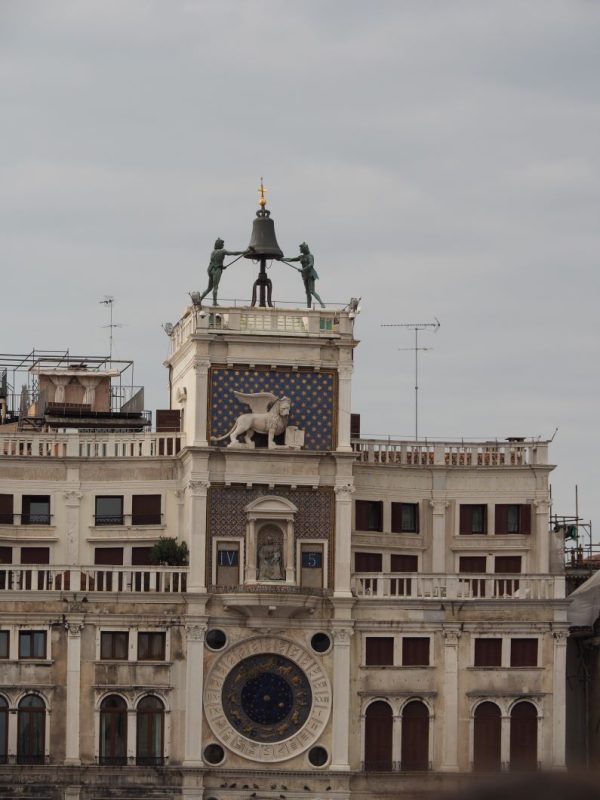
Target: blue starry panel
[{"x": 312, "y": 396}]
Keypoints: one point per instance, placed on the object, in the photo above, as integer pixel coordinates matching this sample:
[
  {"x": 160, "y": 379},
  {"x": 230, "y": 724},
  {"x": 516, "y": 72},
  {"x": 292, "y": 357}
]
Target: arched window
[
  {"x": 378, "y": 737},
  {"x": 523, "y": 736},
  {"x": 3, "y": 731},
  {"x": 150, "y": 731},
  {"x": 415, "y": 736},
  {"x": 486, "y": 744},
  {"x": 113, "y": 730},
  {"x": 31, "y": 736}
]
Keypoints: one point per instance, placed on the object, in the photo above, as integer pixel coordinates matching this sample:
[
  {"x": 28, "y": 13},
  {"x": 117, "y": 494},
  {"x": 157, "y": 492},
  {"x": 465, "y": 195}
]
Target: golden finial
[{"x": 263, "y": 200}]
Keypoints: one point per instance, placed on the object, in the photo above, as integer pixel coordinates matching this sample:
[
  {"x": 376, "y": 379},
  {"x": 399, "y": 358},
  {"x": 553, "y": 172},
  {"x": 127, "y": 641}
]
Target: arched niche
[{"x": 270, "y": 540}]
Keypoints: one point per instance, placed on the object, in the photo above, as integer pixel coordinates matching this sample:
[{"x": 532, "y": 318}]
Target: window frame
[
  {"x": 5, "y": 635},
  {"x": 151, "y": 633},
  {"x": 32, "y": 633},
  {"x": 107, "y": 520},
  {"x": 29, "y": 518},
  {"x": 415, "y": 528},
  {"x": 466, "y": 520},
  {"x": 114, "y": 634},
  {"x": 151, "y": 518},
  {"x": 373, "y": 504}
]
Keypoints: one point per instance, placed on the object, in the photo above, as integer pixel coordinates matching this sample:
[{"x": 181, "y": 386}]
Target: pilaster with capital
[
  {"x": 344, "y": 407},
  {"x": 201, "y": 367},
  {"x": 541, "y": 524},
  {"x": 438, "y": 535},
  {"x": 450, "y": 700},
  {"x": 559, "y": 698},
  {"x": 342, "y": 639},
  {"x": 198, "y": 494},
  {"x": 74, "y": 624},
  {"x": 194, "y": 687},
  {"x": 72, "y": 510},
  {"x": 343, "y": 539}
]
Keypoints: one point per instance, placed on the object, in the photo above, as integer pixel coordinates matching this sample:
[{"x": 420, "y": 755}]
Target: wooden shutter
[
  {"x": 168, "y": 420},
  {"x": 415, "y": 651},
  {"x": 355, "y": 426},
  {"x": 523, "y": 737},
  {"x": 507, "y": 565},
  {"x": 5, "y": 555},
  {"x": 465, "y": 520},
  {"x": 472, "y": 564},
  {"x": 501, "y": 516},
  {"x": 378, "y": 737},
  {"x": 486, "y": 739},
  {"x": 376, "y": 516},
  {"x": 488, "y": 652},
  {"x": 415, "y": 736},
  {"x": 396, "y": 517},
  {"x": 145, "y": 509},
  {"x": 367, "y": 562},
  {"x": 523, "y": 652},
  {"x": 525, "y": 526},
  {"x": 403, "y": 563},
  {"x": 362, "y": 515},
  {"x": 379, "y": 651},
  {"x": 141, "y": 556},
  {"x": 35, "y": 555},
  {"x": 6, "y": 509},
  {"x": 108, "y": 556}
]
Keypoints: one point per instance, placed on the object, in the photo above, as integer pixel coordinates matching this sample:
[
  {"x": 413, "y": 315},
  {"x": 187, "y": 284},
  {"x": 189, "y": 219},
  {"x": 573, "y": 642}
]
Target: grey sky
[{"x": 439, "y": 157}]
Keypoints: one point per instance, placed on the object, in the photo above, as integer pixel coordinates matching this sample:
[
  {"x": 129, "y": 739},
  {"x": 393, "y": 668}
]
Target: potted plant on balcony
[{"x": 168, "y": 552}]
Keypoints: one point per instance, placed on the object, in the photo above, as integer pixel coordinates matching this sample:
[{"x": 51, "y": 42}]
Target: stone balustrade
[
  {"x": 126, "y": 580},
  {"x": 422, "y": 586},
  {"x": 451, "y": 454},
  {"x": 90, "y": 445}
]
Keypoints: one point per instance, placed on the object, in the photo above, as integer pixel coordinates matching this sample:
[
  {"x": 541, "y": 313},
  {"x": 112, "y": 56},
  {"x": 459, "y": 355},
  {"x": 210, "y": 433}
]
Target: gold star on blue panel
[{"x": 311, "y": 395}]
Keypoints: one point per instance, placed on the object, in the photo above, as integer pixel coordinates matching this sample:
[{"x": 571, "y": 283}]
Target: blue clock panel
[{"x": 312, "y": 396}]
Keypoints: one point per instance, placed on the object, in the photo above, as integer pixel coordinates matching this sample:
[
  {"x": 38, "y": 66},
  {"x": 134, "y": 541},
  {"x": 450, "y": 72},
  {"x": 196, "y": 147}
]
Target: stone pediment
[{"x": 271, "y": 507}]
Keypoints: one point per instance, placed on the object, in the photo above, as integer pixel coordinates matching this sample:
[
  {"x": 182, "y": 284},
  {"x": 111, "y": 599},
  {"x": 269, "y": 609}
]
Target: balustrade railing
[
  {"x": 91, "y": 445},
  {"x": 450, "y": 454},
  {"x": 422, "y": 586},
  {"x": 127, "y": 580}
]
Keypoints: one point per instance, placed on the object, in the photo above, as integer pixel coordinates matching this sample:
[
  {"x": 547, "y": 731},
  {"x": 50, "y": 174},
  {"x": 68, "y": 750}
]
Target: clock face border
[{"x": 300, "y": 740}]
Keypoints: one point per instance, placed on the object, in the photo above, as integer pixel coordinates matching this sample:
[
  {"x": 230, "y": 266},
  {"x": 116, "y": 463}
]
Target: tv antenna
[
  {"x": 416, "y": 327},
  {"x": 109, "y": 302}
]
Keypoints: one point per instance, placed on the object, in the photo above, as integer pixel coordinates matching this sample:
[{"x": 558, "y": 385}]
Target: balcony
[
  {"x": 492, "y": 454},
  {"x": 122, "y": 580},
  {"x": 422, "y": 586},
  {"x": 90, "y": 445}
]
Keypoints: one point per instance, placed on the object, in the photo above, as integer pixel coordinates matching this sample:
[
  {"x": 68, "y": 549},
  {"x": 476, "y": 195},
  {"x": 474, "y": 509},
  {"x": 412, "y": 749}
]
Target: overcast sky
[{"x": 441, "y": 157}]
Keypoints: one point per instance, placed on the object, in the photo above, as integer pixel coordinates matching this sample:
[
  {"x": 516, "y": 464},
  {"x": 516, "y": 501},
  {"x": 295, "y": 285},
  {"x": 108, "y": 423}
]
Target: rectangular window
[
  {"x": 415, "y": 651},
  {"x": 368, "y": 562},
  {"x": 507, "y": 565},
  {"x": 32, "y": 644},
  {"x": 4, "y": 644},
  {"x": 36, "y": 510},
  {"x": 488, "y": 653},
  {"x": 369, "y": 515},
  {"x": 6, "y": 509},
  {"x": 523, "y": 652},
  {"x": 145, "y": 509},
  {"x": 5, "y": 555},
  {"x": 472, "y": 519},
  {"x": 35, "y": 555},
  {"x": 469, "y": 565},
  {"x": 513, "y": 518},
  {"x": 114, "y": 645},
  {"x": 379, "y": 651},
  {"x": 109, "y": 510},
  {"x": 108, "y": 556},
  {"x": 141, "y": 556},
  {"x": 405, "y": 517},
  {"x": 404, "y": 563},
  {"x": 151, "y": 646}
]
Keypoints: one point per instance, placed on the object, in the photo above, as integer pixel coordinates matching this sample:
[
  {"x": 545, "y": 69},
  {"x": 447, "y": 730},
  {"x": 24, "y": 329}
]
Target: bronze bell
[{"x": 263, "y": 243}]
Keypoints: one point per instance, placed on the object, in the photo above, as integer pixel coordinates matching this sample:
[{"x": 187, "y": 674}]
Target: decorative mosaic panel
[
  {"x": 312, "y": 396},
  {"x": 227, "y": 517}
]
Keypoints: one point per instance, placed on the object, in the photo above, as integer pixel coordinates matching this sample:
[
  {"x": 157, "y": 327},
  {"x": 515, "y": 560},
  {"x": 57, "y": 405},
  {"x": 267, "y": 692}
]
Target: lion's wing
[{"x": 259, "y": 402}]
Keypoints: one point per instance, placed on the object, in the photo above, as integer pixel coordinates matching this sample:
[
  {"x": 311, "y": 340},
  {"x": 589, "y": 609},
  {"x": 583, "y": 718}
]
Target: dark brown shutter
[
  {"x": 140, "y": 556},
  {"x": 367, "y": 562},
  {"x": 168, "y": 420},
  {"x": 402, "y": 563},
  {"x": 415, "y": 736},
  {"x": 362, "y": 515},
  {"x": 6, "y": 509},
  {"x": 523, "y": 652},
  {"x": 507, "y": 565},
  {"x": 35, "y": 555},
  {"x": 355, "y": 426},
  {"x": 501, "y": 514},
  {"x": 472, "y": 564},
  {"x": 145, "y": 509},
  {"x": 523, "y": 737},
  {"x": 378, "y": 737},
  {"x": 488, "y": 652},
  {"x": 376, "y": 516},
  {"x": 380, "y": 651},
  {"x": 5, "y": 555},
  {"x": 396, "y": 517},
  {"x": 108, "y": 556},
  {"x": 466, "y": 520},
  {"x": 415, "y": 651},
  {"x": 525, "y": 519},
  {"x": 486, "y": 739},
  {"x": 417, "y": 518}
]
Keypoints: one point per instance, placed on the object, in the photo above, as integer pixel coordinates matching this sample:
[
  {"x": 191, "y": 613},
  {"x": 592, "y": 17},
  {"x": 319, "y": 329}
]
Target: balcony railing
[
  {"x": 126, "y": 580},
  {"x": 421, "y": 586},
  {"x": 91, "y": 445},
  {"x": 451, "y": 454}
]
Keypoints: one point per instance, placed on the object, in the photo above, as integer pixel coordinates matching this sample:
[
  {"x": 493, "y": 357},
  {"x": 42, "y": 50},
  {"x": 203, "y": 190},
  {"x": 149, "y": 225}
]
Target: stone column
[
  {"x": 450, "y": 701},
  {"x": 342, "y": 638},
  {"x": 73, "y": 626},
  {"x": 194, "y": 687},
  {"x": 72, "y": 506},
  {"x": 200, "y": 412},
  {"x": 542, "y": 535},
  {"x": 438, "y": 536},
  {"x": 344, "y": 407},
  {"x": 559, "y": 700},
  {"x": 343, "y": 539},
  {"x": 198, "y": 492}
]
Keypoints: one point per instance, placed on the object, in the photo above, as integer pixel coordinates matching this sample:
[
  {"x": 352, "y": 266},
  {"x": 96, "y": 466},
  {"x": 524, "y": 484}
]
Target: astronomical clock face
[{"x": 267, "y": 699}]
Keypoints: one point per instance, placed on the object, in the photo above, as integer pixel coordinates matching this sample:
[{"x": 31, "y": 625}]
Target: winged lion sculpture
[{"x": 269, "y": 414}]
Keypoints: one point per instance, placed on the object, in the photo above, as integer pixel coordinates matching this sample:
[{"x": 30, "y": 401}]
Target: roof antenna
[{"x": 109, "y": 302}]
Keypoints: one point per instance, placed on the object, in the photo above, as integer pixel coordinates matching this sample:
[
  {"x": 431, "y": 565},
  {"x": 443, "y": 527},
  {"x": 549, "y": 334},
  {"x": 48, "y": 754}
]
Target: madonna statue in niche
[{"x": 270, "y": 566}]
